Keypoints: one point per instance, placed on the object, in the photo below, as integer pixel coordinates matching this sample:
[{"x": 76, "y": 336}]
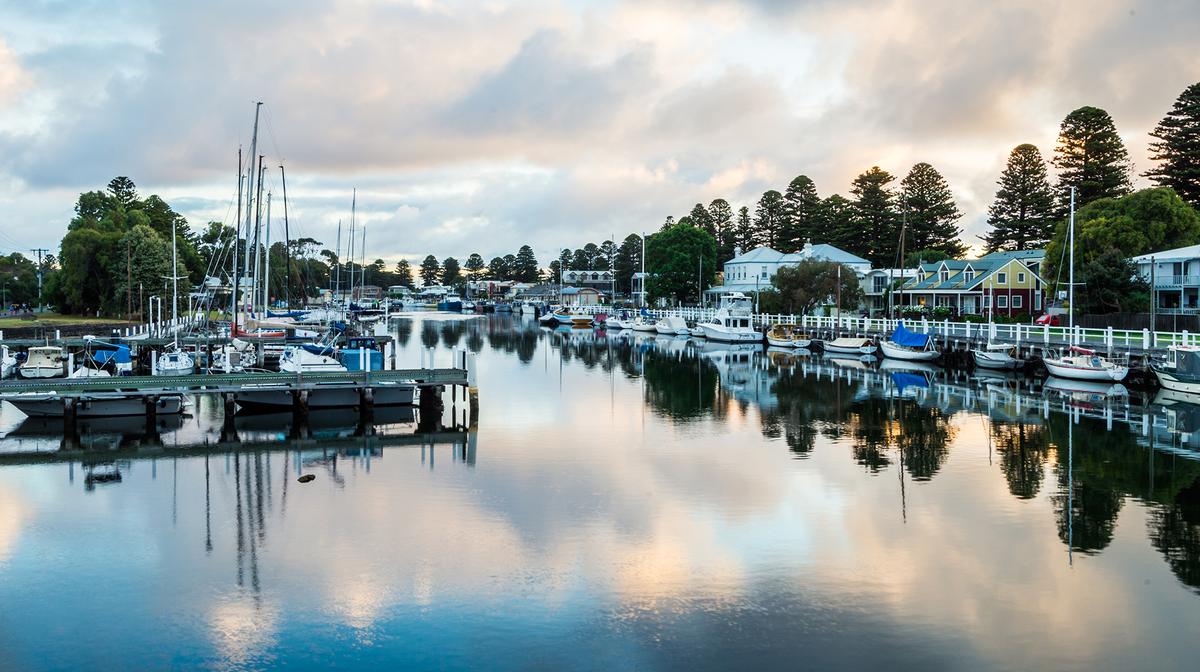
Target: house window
[
  {"x": 1002, "y": 278},
  {"x": 968, "y": 275},
  {"x": 987, "y": 300},
  {"x": 1020, "y": 278},
  {"x": 1002, "y": 301},
  {"x": 1017, "y": 300},
  {"x": 880, "y": 283},
  {"x": 1037, "y": 301},
  {"x": 945, "y": 275}
]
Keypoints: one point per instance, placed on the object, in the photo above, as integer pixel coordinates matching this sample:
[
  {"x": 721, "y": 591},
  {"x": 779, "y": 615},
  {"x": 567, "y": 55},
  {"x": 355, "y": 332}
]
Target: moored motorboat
[
  {"x": 42, "y": 361},
  {"x": 788, "y": 336},
  {"x": 301, "y": 360},
  {"x": 909, "y": 346},
  {"x": 567, "y": 316},
  {"x": 1181, "y": 371},
  {"x": 732, "y": 322},
  {"x": 672, "y": 325},
  {"x": 1000, "y": 356},
  {"x": 96, "y": 404},
  {"x": 850, "y": 345},
  {"x": 175, "y": 362},
  {"x": 1083, "y": 364}
]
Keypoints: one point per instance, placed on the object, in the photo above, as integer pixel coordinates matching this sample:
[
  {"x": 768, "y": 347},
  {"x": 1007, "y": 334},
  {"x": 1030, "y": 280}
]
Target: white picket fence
[{"x": 1031, "y": 334}]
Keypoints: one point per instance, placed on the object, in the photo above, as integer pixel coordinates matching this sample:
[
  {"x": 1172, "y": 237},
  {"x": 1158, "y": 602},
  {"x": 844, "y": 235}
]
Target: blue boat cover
[
  {"x": 909, "y": 339},
  {"x": 118, "y": 354},
  {"x": 903, "y": 380}
]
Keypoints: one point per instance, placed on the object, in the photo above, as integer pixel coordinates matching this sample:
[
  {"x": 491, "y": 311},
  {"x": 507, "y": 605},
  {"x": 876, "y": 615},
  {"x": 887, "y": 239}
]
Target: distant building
[
  {"x": 581, "y": 296},
  {"x": 602, "y": 281},
  {"x": 1000, "y": 283},
  {"x": 875, "y": 284},
  {"x": 752, "y": 271},
  {"x": 1174, "y": 277},
  {"x": 366, "y": 292}
]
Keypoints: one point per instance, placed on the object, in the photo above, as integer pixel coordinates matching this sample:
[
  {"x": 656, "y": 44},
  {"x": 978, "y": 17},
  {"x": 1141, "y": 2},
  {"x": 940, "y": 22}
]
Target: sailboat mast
[
  {"x": 174, "y": 285},
  {"x": 257, "y": 232},
  {"x": 1071, "y": 272},
  {"x": 337, "y": 282},
  {"x": 350, "y": 243},
  {"x": 267, "y": 261},
  {"x": 362, "y": 272},
  {"x": 237, "y": 230},
  {"x": 250, "y": 196},
  {"x": 642, "y": 294},
  {"x": 287, "y": 240}
]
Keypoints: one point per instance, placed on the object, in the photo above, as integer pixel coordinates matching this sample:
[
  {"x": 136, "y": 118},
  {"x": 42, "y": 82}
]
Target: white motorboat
[
  {"x": 643, "y": 323},
  {"x": 1181, "y": 371},
  {"x": 732, "y": 322},
  {"x": 788, "y": 336},
  {"x": 672, "y": 326},
  {"x": 296, "y": 359},
  {"x": 616, "y": 324},
  {"x": 97, "y": 404},
  {"x": 1084, "y": 364},
  {"x": 42, "y": 361},
  {"x": 231, "y": 358},
  {"x": 8, "y": 363},
  {"x": 850, "y": 345},
  {"x": 697, "y": 331},
  {"x": 175, "y": 362},
  {"x": 997, "y": 356},
  {"x": 528, "y": 309},
  {"x": 572, "y": 317},
  {"x": 909, "y": 346}
]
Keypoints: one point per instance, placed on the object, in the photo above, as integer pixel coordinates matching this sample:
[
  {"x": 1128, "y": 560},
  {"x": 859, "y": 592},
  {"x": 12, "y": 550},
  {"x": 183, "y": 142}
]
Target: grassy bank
[{"x": 53, "y": 320}]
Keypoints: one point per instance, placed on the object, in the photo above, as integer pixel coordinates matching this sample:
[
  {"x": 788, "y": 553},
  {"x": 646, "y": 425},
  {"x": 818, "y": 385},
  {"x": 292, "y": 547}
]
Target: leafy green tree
[
  {"x": 1090, "y": 157},
  {"x": 876, "y": 217},
  {"x": 745, "y": 236},
  {"x": 1177, "y": 147},
  {"x": 770, "y": 219},
  {"x": 670, "y": 221},
  {"x": 498, "y": 269},
  {"x": 838, "y": 222},
  {"x": 526, "y": 267},
  {"x": 673, "y": 260},
  {"x": 809, "y": 284},
  {"x": 20, "y": 279},
  {"x": 404, "y": 275},
  {"x": 1142, "y": 222},
  {"x": 1022, "y": 216},
  {"x": 1110, "y": 284},
  {"x": 510, "y": 263},
  {"x": 580, "y": 261},
  {"x": 627, "y": 261},
  {"x": 700, "y": 217},
  {"x": 474, "y": 266},
  {"x": 801, "y": 214},
  {"x": 149, "y": 263},
  {"x": 930, "y": 212},
  {"x": 721, "y": 214},
  {"x": 451, "y": 272},
  {"x": 430, "y": 271},
  {"x": 123, "y": 192}
]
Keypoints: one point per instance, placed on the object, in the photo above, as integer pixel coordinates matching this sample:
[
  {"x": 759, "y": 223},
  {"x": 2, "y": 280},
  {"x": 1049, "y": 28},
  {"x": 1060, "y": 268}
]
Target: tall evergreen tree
[
  {"x": 837, "y": 220},
  {"x": 769, "y": 219},
  {"x": 801, "y": 206},
  {"x": 930, "y": 217},
  {"x": 451, "y": 272},
  {"x": 1177, "y": 147},
  {"x": 498, "y": 270},
  {"x": 721, "y": 215},
  {"x": 875, "y": 216},
  {"x": 701, "y": 218},
  {"x": 580, "y": 261},
  {"x": 431, "y": 270},
  {"x": 526, "y": 269},
  {"x": 745, "y": 236},
  {"x": 1090, "y": 157},
  {"x": 628, "y": 261},
  {"x": 1022, "y": 216},
  {"x": 474, "y": 266},
  {"x": 608, "y": 255},
  {"x": 404, "y": 276}
]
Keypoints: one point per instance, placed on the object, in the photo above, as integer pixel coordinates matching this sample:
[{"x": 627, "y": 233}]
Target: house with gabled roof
[
  {"x": 752, "y": 271},
  {"x": 1000, "y": 283}
]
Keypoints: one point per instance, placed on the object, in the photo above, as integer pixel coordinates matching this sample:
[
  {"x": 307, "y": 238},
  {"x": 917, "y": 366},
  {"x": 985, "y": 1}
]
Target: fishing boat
[
  {"x": 1084, "y": 364},
  {"x": 850, "y": 345},
  {"x": 362, "y": 353},
  {"x": 96, "y": 404},
  {"x": 1000, "y": 356},
  {"x": 451, "y": 304},
  {"x": 787, "y": 336},
  {"x": 1181, "y": 370},
  {"x": 732, "y": 323},
  {"x": 672, "y": 326},
  {"x": 42, "y": 361},
  {"x": 909, "y": 346}
]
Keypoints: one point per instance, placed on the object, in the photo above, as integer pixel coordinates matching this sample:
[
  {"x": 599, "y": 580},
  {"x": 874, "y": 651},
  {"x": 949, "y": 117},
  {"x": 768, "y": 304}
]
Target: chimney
[{"x": 737, "y": 251}]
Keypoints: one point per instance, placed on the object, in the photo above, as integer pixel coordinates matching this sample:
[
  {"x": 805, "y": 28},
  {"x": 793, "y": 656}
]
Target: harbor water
[{"x": 623, "y": 502}]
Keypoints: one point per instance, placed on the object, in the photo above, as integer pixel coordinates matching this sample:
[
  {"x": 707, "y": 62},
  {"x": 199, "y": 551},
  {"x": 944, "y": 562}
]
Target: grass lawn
[{"x": 56, "y": 320}]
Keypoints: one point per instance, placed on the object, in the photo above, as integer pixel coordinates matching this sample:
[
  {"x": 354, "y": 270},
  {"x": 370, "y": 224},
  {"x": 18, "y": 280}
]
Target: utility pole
[{"x": 40, "y": 251}]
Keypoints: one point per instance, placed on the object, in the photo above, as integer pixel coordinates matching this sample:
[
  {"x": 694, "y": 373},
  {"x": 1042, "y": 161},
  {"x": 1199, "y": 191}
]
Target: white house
[
  {"x": 753, "y": 270},
  {"x": 1175, "y": 278}
]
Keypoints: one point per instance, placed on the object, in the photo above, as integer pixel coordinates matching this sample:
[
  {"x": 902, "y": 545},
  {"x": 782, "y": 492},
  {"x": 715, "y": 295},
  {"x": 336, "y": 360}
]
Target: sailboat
[
  {"x": 909, "y": 345},
  {"x": 1076, "y": 362},
  {"x": 174, "y": 361}
]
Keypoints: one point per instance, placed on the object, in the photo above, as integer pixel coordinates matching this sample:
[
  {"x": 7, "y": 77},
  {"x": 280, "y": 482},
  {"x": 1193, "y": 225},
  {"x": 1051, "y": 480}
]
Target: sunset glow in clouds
[{"x": 481, "y": 126}]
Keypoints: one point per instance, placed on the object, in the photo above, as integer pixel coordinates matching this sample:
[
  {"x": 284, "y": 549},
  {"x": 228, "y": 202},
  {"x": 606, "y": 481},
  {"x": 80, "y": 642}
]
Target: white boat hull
[
  {"x": 39, "y": 371},
  {"x": 721, "y": 334},
  {"x": 856, "y": 350},
  {"x": 98, "y": 405},
  {"x": 1170, "y": 382},
  {"x": 1000, "y": 361},
  {"x": 894, "y": 351},
  {"x": 789, "y": 343},
  {"x": 1113, "y": 374}
]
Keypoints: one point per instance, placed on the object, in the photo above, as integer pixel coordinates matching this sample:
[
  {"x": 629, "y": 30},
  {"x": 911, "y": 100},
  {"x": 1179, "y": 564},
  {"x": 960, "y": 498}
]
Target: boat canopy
[
  {"x": 909, "y": 339},
  {"x": 117, "y": 353},
  {"x": 1187, "y": 362},
  {"x": 903, "y": 379}
]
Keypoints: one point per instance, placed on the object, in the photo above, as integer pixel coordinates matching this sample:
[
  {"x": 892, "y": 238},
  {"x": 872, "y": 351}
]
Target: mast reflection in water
[{"x": 624, "y": 501}]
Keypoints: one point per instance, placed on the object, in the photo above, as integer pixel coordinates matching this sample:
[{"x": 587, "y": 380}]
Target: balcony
[{"x": 1176, "y": 281}]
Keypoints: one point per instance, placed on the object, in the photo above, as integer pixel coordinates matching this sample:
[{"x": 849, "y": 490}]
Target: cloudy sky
[{"x": 481, "y": 126}]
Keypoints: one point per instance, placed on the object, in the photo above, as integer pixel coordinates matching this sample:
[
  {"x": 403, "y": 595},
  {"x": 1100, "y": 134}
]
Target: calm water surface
[{"x": 621, "y": 503}]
